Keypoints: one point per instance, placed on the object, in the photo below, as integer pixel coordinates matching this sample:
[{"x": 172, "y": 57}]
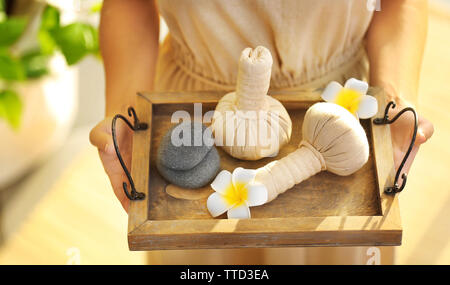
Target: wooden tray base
[{"x": 325, "y": 210}]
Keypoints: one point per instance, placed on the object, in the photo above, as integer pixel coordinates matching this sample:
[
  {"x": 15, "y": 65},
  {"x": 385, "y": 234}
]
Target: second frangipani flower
[
  {"x": 352, "y": 96},
  {"x": 235, "y": 193}
]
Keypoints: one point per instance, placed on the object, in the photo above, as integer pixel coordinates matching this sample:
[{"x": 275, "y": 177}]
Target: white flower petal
[
  {"x": 368, "y": 107},
  {"x": 243, "y": 175},
  {"x": 222, "y": 181},
  {"x": 358, "y": 85},
  {"x": 331, "y": 91},
  {"x": 257, "y": 194},
  {"x": 239, "y": 212},
  {"x": 217, "y": 205}
]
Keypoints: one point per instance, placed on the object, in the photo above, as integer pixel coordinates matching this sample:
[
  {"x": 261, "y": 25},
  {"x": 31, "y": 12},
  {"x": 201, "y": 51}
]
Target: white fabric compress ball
[
  {"x": 333, "y": 140},
  {"x": 248, "y": 123}
]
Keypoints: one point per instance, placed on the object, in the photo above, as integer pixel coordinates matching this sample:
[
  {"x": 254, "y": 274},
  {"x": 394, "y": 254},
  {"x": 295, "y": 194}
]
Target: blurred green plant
[{"x": 74, "y": 41}]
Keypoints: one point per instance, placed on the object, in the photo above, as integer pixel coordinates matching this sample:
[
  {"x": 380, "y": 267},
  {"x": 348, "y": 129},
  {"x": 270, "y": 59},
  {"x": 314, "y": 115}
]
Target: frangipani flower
[
  {"x": 352, "y": 96},
  {"x": 235, "y": 194}
]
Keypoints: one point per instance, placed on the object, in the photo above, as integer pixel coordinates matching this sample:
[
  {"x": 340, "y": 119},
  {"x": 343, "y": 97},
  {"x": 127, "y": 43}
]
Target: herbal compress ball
[
  {"x": 187, "y": 157},
  {"x": 333, "y": 140},
  {"x": 248, "y": 123}
]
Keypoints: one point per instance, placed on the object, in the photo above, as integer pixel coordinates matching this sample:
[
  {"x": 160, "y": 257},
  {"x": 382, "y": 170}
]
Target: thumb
[
  {"x": 424, "y": 132},
  {"x": 101, "y": 139},
  {"x": 420, "y": 137},
  {"x": 427, "y": 128}
]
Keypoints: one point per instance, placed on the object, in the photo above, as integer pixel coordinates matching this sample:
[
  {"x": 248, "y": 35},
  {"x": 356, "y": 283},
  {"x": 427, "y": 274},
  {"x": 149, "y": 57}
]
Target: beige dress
[{"x": 312, "y": 42}]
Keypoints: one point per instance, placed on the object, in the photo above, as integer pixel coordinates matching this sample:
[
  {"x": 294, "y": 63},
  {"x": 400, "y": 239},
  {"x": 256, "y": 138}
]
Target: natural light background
[{"x": 66, "y": 213}]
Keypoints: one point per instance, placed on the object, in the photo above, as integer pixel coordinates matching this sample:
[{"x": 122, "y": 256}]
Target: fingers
[
  {"x": 424, "y": 131},
  {"x": 101, "y": 140},
  {"x": 100, "y": 137},
  {"x": 117, "y": 185},
  {"x": 420, "y": 137},
  {"x": 125, "y": 202},
  {"x": 426, "y": 128},
  {"x": 116, "y": 177},
  {"x": 410, "y": 160}
]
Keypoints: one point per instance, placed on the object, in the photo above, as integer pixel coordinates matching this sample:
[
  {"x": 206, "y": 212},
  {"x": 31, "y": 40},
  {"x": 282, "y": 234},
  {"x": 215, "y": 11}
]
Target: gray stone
[
  {"x": 191, "y": 151},
  {"x": 186, "y": 159},
  {"x": 196, "y": 177}
]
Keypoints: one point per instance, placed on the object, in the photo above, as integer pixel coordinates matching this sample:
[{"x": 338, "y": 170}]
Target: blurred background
[{"x": 56, "y": 204}]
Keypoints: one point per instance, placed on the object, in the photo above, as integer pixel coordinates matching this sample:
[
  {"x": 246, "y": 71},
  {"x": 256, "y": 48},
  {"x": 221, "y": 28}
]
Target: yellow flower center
[
  {"x": 349, "y": 99},
  {"x": 236, "y": 195}
]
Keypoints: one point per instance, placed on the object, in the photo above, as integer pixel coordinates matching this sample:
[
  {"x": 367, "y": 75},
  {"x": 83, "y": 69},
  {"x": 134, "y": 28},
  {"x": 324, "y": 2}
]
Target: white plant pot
[{"x": 49, "y": 108}]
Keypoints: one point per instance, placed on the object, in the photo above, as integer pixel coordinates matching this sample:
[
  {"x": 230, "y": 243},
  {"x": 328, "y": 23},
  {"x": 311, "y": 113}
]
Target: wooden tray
[{"x": 325, "y": 210}]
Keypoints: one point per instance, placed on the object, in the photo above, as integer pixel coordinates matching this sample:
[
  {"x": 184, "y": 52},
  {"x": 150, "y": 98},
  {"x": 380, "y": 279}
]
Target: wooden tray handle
[
  {"x": 137, "y": 126},
  {"x": 385, "y": 120}
]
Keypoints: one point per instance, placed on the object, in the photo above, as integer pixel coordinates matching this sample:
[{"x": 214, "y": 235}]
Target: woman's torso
[
  {"x": 311, "y": 41},
  {"x": 308, "y": 39}
]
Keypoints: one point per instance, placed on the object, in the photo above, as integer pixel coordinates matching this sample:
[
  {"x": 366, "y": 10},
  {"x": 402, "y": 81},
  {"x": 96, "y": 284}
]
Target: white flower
[
  {"x": 352, "y": 96},
  {"x": 235, "y": 193}
]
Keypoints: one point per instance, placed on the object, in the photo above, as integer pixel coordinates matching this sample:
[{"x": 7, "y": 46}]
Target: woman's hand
[
  {"x": 401, "y": 132},
  {"x": 101, "y": 137},
  {"x": 395, "y": 57},
  {"x": 129, "y": 59}
]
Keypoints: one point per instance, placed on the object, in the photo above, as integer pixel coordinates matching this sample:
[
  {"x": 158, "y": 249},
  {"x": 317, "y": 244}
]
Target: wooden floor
[{"x": 80, "y": 221}]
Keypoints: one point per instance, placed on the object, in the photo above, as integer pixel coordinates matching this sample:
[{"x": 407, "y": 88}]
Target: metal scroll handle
[
  {"x": 385, "y": 120},
  {"x": 137, "y": 126}
]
